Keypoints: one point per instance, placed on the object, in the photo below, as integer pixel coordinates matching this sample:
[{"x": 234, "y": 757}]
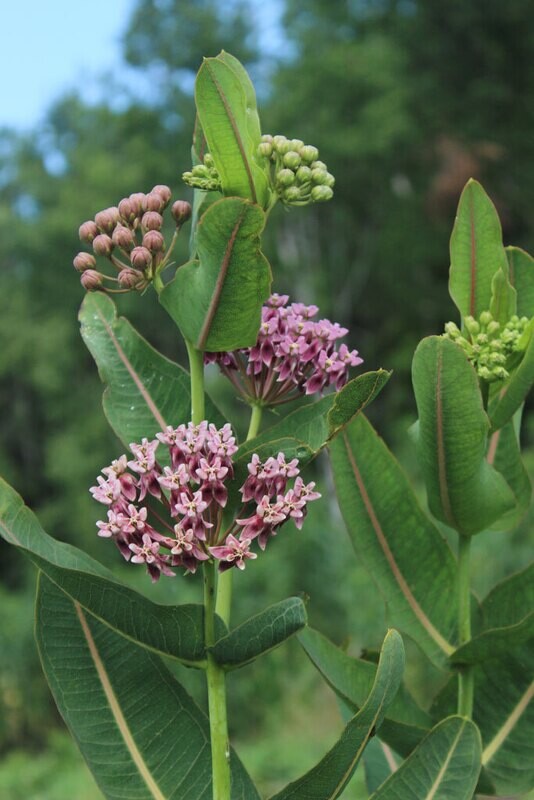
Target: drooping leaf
[
  {"x": 227, "y": 111},
  {"x": 464, "y": 491},
  {"x": 477, "y": 252},
  {"x": 329, "y": 777},
  {"x": 503, "y": 303},
  {"x": 315, "y": 424},
  {"x": 140, "y": 733},
  {"x": 260, "y": 633},
  {"x": 144, "y": 390},
  {"x": 495, "y": 642},
  {"x": 175, "y": 631},
  {"x": 393, "y": 537},
  {"x": 515, "y": 390},
  {"x": 379, "y": 762},
  {"x": 504, "y": 454},
  {"x": 521, "y": 266},
  {"x": 405, "y": 723},
  {"x": 216, "y": 300},
  {"x": 445, "y": 766}
]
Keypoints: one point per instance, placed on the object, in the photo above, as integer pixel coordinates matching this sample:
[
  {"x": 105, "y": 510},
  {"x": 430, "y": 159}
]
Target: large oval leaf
[
  {"x": 227, "y": 111},
  {"x": 464, "y": 491},
  {"x": 477, "y": 251},
  {"x": 521, "y": 266},
  {"x": 405, "y": 724},
  {"x": 175, "y": 631},
  {"x": 505, "y": 455},
  {"x": 329, "y": 777},
  {"x": 216, "y": 300},
  {"x": 393, "y": 537},
  {"x": 141, "y": 734},
  {"x": 144, "y": 390},
  {"x": 445, "y": 766}
]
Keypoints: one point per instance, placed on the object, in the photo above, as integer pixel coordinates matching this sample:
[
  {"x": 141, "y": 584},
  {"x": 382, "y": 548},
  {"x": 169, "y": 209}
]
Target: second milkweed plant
[{"x": 186, "y": 497}]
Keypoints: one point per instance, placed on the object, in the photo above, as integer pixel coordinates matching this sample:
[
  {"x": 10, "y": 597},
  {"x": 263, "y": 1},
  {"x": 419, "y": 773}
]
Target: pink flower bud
[
  {"x": 102, "y": 245},
  {"x": 84, "y": 261},
  {"x": 153, "y": 241},
  {"x": 141, "y": 258},
  {"x": 164, "y": 192},
  {"x": 123, "y": 237},
  {"x": 181, "y": 211},
  {"x": 153, "y": 202},
  {"x": 87, "y": 231},
  {"x": 130, "y": 278},
  {"x": 127, "y": 210},
  {"x": 152, "y": 221},
  {"x": 107, "y": 219},
  {"x": 137, "y": 200},
  {"x": 91, "y": 280}
]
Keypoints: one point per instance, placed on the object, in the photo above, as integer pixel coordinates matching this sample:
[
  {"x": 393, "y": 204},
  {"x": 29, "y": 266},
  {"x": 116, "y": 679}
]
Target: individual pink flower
[{"x": 232, "y": 553}]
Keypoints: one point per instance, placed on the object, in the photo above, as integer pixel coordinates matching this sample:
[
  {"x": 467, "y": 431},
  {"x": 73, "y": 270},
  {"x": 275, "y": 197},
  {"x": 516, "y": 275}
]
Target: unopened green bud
[
  {"x": 200, "y": 171},
  {"x": 296, "y": 144},
  {"x": 208, "y": 161},
  {"x": 309, "y": 153},
  {"x": 281, "y": 145},
  {"x": 330, "y": 180},
  {"x": 265, "y": 149},
  {"x": 472, "y": 326},
  {"x": 485, "y": 318},
  {"x": 500, "y": 373},
  {"x": 319, "y": 165},
  {"x": 291, "y": 160},
  {"x": 291, "y": 194},
  {"x": 285, "y": 177},
  {"x": 319, "y": 176},
  {"x": 452, "y": 330},
  {"x": 304, "y": 175},
  {"x": 319, "y": 194},
  {"x": 485, "y": 373},
  {"x": 266, "y": 137},
  {"x": 493, "y": 327}
]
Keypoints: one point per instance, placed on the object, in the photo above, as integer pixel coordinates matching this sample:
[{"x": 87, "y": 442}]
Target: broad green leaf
[
  {"x": 477, "y": 252},
  {"x": 145, "y": 391},
  {"x": 216, "y": 300},
  {"x": 227, "y": 111},
  {"x": 503, "y": 303},
  {"x": 315, "y": 424},
  {"x": 393, "y": 537},
  {"x": 464, "y": 491},
  {"x": 504, "y": 454},
  {"x": 175, "y": 631},
  {"x": 141, "y": 734},
  {"x": 510, "y": 600},
  {"x": 445, "y": 766},
  {"x": 521, "y": 266},
  {"x": 379, "y": 762},
  {"x": 515, "y": 390},
  {"x": 495, "y": 642},
  {"x": 405, "y": 723},
  {"x": 329, "y": 777},
  {"x": 260, "y": 633}
]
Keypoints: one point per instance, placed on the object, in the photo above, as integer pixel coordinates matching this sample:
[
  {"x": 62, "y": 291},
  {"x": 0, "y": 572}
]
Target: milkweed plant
[{"x": 185, "y": 500}]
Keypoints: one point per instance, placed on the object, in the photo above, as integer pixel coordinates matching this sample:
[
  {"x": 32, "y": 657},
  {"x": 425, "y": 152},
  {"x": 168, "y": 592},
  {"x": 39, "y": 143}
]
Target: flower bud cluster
[
  {"x": 293, "y": 355},
  {"x": 171, "y": 516},
  {"x": 298, "y": 176},
  {"x": 129, "y": 236},
  {"x": 204, "y": 176},
  {"x": 488, "y": 345}
]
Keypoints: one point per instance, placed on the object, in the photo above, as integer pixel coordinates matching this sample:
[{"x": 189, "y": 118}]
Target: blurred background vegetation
[{"x": 406, "y": 100}]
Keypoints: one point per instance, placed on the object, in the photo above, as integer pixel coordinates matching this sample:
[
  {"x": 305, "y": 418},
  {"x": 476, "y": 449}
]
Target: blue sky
[{"x": 48, "y": 46}]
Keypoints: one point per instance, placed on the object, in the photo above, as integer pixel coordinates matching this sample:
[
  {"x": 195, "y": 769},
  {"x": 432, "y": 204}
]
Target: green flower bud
[
  {"x": 485, "y": 373},
  {"x": 281, "y": 145},
  {"x": 208, "y": 161},
  {"x": 200, "y": 171},
  {"x": 485, "y": 318},
  {"x": 266, "y": 137},
  {"x": 493, "y": 327},
  {"x": 309, "y": 153},
  {"x": 265, "y": 149},
  {"x": 285, "y": 177},
  {"x": 319, "y": 176},
  {"x": 330, "y": 180},
  {"x": 303, "y": 175},
  {"x": 452, "y": 330},
  {"x": 291, "y": 160},
  {"x": 319, "y": 165},
  {"x": 319, "y": 194},
  {"x": 472, "y": 326},
  {"x": 291, "y": 194},
  {"x": 296, "y": 144}
]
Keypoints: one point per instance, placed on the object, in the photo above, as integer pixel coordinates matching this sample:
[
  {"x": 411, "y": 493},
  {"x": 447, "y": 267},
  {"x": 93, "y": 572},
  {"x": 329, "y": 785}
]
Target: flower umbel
[
  {"x": 297, "y": 175},
  {"x": 294, "y": 354},
  {"x": 172, "y": 516}
]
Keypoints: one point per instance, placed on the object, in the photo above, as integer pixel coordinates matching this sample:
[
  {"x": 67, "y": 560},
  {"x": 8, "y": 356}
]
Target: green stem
[
  {"x": 158, "y": 283},
  {"x": 465, "y": 677},
  {"x": 196, "y": 369},
  {"x": 220, "y": 747},
  {"x": 224, "y": 589}
]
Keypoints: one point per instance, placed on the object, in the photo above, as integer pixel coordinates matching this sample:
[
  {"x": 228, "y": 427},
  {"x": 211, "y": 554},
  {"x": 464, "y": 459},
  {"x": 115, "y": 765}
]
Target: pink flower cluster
[
  {"x": 293, "y": 355},
  {"x": 171, "y": 516}
]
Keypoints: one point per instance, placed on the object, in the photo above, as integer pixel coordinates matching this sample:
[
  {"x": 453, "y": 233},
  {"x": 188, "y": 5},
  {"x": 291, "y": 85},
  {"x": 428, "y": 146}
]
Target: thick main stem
[
  {"x": 465, "y": 676},
  {"x": 224, "y": 589},
  {"x": 196, "y": 368},
  {"x": 220, "y": 747}
]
